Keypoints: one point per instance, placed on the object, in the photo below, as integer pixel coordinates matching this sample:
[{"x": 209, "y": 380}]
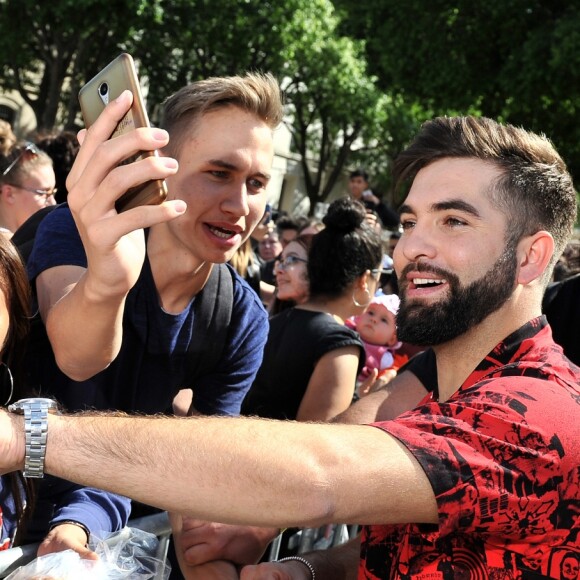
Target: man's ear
[{"x": 534, "y": 255}]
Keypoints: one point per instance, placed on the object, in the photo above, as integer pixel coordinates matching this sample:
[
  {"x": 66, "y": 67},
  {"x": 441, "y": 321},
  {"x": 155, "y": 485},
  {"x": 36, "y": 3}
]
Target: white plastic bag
[{"x": 128, "y": 554}]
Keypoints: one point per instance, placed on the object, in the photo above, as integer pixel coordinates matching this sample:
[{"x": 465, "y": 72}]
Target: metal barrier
[{"x": 309, "y": 539}]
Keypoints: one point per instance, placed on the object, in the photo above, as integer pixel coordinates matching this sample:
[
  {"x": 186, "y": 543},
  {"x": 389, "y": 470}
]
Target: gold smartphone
[{"x": 107, "y": 85}]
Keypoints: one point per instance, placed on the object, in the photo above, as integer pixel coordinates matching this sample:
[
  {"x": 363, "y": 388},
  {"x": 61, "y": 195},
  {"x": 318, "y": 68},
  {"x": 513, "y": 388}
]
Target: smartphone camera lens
[{"x": 104, "y": 89}]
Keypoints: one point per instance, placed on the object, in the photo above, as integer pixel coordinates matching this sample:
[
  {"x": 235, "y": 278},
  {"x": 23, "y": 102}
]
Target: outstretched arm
[{"x": 237, "y": 470}]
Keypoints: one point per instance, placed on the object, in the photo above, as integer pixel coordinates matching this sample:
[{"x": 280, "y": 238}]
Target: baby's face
[{"x": 377, "y": 326}]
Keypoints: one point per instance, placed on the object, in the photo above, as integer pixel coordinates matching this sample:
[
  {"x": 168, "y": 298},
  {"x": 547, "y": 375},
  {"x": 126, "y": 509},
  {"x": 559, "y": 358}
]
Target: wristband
[
  {"x": 72, "y": 523},
  {"x": 304, "y": 561}
]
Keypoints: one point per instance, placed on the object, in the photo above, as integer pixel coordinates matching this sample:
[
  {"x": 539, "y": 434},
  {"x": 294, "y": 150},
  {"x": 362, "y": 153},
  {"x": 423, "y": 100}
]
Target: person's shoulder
[
  {"x": 60, "y": 212},
  {"x": 60, "y": 219},
  {"x": 40, "y": 220},
  {"x": 56, "y": 242},
  {"x": 327, "y": 326},
  {"x": 306, "y": 320},
  {"x": 245, "y": 298},
  {"x": 534, "y": 382}
]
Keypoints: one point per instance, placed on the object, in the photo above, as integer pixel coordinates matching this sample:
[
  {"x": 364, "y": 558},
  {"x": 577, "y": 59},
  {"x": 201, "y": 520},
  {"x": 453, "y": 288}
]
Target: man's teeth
[
  {"x": 427, "y": 281},
  {"x": 221, "y": 233}
]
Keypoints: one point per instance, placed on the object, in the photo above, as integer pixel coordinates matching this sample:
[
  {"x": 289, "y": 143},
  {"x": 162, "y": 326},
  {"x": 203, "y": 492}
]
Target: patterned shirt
[{"x": 503, "y": 458}]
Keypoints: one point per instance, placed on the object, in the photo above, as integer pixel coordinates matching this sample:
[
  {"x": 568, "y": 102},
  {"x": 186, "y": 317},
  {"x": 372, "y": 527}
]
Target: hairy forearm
[
  {"x": 187, "y": 464},
  {"x": 243, "y": 471}
]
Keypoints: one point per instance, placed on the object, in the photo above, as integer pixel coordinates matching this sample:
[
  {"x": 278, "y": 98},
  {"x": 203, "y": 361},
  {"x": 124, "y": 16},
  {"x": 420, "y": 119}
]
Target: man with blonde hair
[{"x": 120, "y": 294}]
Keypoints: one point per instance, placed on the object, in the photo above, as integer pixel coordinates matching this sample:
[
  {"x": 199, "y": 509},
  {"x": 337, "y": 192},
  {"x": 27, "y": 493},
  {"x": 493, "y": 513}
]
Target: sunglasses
[
  {"x": 41, "y": 192},
  {"x": 30, "y": 149}
]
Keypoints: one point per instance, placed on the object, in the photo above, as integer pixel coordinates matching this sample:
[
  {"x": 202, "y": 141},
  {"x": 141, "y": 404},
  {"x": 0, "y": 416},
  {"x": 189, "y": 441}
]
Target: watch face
[{"x": 20, "y": 405}]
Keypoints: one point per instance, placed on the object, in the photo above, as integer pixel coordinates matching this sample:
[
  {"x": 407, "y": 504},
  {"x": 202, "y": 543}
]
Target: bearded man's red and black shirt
[{"x": 503, "y": 458}]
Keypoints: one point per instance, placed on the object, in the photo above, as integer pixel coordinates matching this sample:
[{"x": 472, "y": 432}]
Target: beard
[{"x": 433, "y": 324}]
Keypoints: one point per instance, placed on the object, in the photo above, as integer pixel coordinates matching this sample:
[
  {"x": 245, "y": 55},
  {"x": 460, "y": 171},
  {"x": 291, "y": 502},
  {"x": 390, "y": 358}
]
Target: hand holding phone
[{"x": 107, "y": 85}]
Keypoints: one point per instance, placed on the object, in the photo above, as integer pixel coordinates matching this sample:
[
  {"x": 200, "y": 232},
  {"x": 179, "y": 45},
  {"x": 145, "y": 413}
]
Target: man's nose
[
  {"x": 236, "y": 201},
  {"x": 415, "y": 244}
]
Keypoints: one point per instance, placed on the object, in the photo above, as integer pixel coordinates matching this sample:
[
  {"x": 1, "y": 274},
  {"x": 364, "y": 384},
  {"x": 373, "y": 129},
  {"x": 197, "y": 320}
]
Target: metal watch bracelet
[
  {"x": 36, "y": 428},
  {"x": 35, "y": 411}
]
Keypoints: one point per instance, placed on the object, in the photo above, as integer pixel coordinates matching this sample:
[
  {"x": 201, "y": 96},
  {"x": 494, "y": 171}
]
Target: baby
[{"x": 378, "y": 331}]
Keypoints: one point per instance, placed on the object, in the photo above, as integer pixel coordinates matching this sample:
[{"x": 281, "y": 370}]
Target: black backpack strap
[{"x": 212, "y": 316}]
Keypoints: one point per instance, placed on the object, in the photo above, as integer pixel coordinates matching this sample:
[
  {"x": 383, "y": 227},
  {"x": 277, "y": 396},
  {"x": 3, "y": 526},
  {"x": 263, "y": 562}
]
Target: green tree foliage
[
  {"x": 338, "y": 114},
  {"x": 517, "y": 61},
  {"x": 334, "y": 105},
  {"x": 186, "y": 40},
  {"x": 332, "y": 101},
  {"x": 48, "y": 49}
]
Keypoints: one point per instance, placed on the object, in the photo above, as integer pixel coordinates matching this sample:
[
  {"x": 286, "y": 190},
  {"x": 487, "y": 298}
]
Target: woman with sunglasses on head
[
  {"x": 77, "y": 509},
  {"x": 311, "y": 360},
  {"x": 27, "y": 184}
]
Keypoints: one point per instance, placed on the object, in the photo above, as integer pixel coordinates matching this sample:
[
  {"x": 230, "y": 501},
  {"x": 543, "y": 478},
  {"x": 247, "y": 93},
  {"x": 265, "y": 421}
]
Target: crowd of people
[{"x": 393, "y": 370}]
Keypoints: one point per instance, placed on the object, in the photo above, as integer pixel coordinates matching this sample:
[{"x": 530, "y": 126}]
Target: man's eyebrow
[
  {"x": 457, "y": 204},
  {"x": 232, "y": 167},
  {"x": 404, "y": 209},
  {"x": 450, "y": 204}
]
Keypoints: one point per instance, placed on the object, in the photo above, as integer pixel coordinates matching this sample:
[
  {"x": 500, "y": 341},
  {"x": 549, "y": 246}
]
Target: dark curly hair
[{"x": 344, "y": 250}]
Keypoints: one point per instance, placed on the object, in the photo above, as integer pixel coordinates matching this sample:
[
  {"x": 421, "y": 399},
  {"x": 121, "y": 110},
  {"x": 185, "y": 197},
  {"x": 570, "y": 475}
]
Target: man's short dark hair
[
  {"x": 287, "y": 222},
  {"x": 359, "y": 172},
  {"x": 535, "y": 190}
]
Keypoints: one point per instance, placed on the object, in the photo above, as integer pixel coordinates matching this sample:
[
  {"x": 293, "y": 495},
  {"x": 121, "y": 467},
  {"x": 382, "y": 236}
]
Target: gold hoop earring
[
  {"x": 369, "y": 299},
  {"x": 11, "y": 380}
]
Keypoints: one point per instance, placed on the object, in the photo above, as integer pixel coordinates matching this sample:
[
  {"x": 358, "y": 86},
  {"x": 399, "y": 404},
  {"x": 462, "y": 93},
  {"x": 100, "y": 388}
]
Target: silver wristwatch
[{"x": 35, "y": 413}]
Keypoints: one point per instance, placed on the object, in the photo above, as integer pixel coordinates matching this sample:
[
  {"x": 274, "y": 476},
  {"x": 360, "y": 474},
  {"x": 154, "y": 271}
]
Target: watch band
[
  {"x": 36, "y": 428},
  {"x": 35, "y": 411}
]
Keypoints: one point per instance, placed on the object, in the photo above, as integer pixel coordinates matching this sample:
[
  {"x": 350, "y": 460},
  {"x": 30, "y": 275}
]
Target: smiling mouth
[
  {"x": 427, "y": 282},
  {"x": 221, "y": 232}
]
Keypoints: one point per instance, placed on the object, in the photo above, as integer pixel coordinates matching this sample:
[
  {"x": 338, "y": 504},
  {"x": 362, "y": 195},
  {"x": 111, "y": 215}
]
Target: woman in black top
[{"x": 311, "y": 359}]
